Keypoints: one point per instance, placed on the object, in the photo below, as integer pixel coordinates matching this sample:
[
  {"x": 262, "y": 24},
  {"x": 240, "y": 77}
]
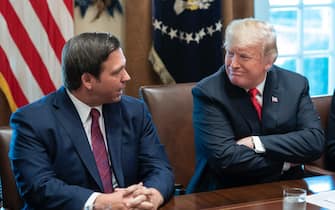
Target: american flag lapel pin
[{"x": 274, "y": 99}]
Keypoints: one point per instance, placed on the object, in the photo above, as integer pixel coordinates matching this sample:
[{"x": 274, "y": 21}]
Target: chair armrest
[{"x": 179, "y": 189}]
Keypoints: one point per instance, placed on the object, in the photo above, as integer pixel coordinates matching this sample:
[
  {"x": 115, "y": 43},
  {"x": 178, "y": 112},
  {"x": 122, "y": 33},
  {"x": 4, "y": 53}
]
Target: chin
[
  {"x": 234, "y": 80},
  {"x": 238, "y": 83},
  {"x": 116, "y": 99}
]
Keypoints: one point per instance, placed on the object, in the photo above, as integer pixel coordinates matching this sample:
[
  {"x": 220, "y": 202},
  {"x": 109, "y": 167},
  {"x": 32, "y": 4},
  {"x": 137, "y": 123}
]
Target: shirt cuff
[
  {"x": 259, "y": 147},
  {"x": 286, "y": 166},
  {"x": 90, "y": 201}
]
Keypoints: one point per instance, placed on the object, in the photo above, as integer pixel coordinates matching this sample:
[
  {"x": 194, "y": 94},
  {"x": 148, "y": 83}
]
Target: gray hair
[{"x": 249, "y": 31}]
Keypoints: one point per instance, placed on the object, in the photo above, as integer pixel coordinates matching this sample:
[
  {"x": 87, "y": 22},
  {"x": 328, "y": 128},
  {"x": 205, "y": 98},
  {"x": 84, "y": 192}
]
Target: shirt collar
[
  {"x": 260, "y": 87},
  {"x": 82, "y": 108}
]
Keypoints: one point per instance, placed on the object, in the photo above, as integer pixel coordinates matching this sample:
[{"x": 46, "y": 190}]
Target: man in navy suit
[
  {"x": 235, "y": 145},
  {"x": 51, "y": 150}
]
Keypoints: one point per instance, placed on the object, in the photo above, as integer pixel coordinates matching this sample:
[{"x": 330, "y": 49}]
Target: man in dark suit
[
  {"x": 235, "y": 144},
  {"x": 53, "y": 138},
  {"x": 330, "y": 154}
]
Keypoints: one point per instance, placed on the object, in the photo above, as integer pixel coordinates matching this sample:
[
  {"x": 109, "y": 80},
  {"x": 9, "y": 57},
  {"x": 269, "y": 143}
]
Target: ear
[
  {"x": 268, "y": 62},
  {"x": 268, "y": 66},
  {"x": 87, "y": 79}
]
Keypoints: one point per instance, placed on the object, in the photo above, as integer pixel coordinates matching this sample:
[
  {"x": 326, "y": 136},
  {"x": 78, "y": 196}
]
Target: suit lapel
[
  {"x": 271, "y": 101},
  {"x": 113, "y": 125},
  {"x": 240, "y": 100},
  {"x": 69, "y": 119},
  {"x": 240, "y": 103}
]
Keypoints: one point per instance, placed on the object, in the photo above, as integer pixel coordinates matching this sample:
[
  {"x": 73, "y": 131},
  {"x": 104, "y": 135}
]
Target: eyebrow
[{"x": 118, "y": 70}]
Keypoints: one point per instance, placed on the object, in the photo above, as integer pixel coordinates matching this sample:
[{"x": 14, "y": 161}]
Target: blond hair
[{"x": 251, "y": 32}]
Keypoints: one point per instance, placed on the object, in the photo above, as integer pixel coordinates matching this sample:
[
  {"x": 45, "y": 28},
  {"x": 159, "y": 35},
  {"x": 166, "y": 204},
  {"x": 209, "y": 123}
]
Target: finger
[
  {"x": 146, "y": 205},
  {"x": 143, "y": 191},
  {"x": 129, "y": 190},
  {"x": 119, "y": 189},
  {"x": 136, "y": 201},
  {"x": 134, "y": 187}
]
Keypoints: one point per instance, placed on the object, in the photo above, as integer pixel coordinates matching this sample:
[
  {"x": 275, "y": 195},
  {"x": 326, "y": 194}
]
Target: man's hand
[
  {"x": 153, "y": 201},
  {"x": 246, "y": 141},
  {"x": 113, "y": 200},
  {"x": 117, "y": 200},
  {"x": 133, "y": 197}
]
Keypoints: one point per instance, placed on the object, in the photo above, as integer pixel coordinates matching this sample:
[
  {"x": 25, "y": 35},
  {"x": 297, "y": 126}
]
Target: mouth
[
  {"x": 235, "y": 73},
  {"x": 120, "y": 92}
]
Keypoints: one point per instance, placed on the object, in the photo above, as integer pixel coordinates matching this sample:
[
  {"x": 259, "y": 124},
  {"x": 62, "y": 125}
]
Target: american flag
[{"x": 32, "y": 35}]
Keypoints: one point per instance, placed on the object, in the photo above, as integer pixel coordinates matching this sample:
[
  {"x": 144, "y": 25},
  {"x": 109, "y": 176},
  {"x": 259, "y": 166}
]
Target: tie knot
[
  {"x": 253, "y": 92},
  {"x": 95, "y": 114}
]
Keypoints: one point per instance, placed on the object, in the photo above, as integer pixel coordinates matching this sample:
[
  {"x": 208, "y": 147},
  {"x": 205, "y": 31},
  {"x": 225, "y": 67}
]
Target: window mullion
[{"x": 300, "y": 56}]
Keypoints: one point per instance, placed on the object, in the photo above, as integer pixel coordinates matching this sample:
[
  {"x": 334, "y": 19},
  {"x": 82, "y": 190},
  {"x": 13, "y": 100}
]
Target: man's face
[
  {"x": 246, "y": 67},
  {"x": 111, "y": 83}
]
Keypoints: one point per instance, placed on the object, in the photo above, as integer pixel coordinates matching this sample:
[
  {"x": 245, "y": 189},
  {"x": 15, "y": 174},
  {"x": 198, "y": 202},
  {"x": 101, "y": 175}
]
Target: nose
[
  {"x": 125, "y": 76},
  {"x": 234, "y": 61}
]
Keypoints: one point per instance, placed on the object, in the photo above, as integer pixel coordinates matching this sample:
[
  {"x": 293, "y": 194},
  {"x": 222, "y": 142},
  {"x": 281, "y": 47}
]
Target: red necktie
[
  {"x": 100, "y": 153},
  {"x": 253, "y": 93}
]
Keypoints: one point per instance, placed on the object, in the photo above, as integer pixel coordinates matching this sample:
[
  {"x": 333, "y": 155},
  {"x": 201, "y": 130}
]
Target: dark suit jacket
[
  {"x": 290, "y": 130},
  {"x": 330, "y": 157},
  {"x": 53, "y": 163}
]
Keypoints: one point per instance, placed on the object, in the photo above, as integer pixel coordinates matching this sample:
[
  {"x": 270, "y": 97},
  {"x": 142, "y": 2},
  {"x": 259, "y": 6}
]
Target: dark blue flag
[
  {"x": 106, "y": 4},
  {"x": 187, "y": 43}
]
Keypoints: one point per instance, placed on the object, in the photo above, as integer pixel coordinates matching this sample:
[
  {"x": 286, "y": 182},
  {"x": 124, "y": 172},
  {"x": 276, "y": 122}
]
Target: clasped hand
[{"x": 134, "y": 197}]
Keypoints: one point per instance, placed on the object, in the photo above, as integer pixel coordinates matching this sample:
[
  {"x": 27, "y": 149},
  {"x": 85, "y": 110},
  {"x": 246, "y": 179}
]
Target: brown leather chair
[
  {"x": 322, "y": 105},
  {"x": 171, "y": 109},
  {"x": 5, "y": 111},
  {"x": 11, "y": 197}
]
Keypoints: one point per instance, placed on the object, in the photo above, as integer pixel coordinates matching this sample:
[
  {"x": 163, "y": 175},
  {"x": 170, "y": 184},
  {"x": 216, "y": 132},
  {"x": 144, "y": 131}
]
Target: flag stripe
[
  {"x": 62, "y": 16},
  {"x": 40, "y": 38},
  {"x": 27, "y": 49},
  {"x": 55, "y": 37},
  {"x": 69, "y": 6},
  {"x": 33, "y": 33},
  {"x": 13, "y": 86},
  {"x": 20, "y": 69}
]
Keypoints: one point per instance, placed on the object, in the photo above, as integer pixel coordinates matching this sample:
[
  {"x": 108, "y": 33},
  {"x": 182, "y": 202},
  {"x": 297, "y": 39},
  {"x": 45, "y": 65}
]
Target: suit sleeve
[
  {"x": 301, "y": 142},
  {"x": 33, "y": 169},
  {"x": 155, "y": 169},
  {"x": 216, "y": 142}
]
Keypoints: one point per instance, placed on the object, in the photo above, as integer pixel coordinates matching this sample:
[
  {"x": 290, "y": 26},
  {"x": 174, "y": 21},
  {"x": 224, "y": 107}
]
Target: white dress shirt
[{"x": 84, "y": 114}]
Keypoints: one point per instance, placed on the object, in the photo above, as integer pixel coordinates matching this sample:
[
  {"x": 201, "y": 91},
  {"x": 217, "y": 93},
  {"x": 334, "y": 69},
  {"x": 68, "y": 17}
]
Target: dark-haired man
[{"x": 87, "y": 146}]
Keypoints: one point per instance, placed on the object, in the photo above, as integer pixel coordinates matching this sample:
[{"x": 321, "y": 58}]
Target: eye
[
  {"x": 245, "y": 57},
  {"x": 117, "y": 72},
  {"x": 230, "y": 53}
]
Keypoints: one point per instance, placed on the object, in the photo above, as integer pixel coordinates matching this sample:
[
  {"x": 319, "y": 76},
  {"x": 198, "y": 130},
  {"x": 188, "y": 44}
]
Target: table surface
[
  {"x": 261, "y": 205},
  {"x": 260, "y": 196}
]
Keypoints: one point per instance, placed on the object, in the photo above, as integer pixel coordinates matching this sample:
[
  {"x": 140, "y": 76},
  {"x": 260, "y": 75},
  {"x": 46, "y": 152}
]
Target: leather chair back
[
  {"x": 11, "y": 197},
  {"x": 322, "y": 105},
  {"x": 5, "y": 111},
  {"x": 171, "y": 110}
]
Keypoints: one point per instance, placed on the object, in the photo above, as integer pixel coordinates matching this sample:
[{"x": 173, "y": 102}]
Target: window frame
[{"x": 262, "y": 11}]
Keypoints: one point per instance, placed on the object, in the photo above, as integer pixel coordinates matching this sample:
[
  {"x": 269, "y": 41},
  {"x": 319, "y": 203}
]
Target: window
[{"x": 305, "y": 38}]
